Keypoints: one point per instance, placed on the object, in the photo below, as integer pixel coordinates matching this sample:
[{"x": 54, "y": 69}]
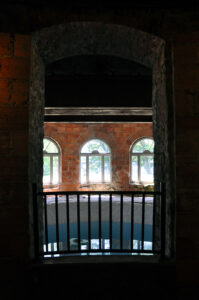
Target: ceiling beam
[
  {"x": 98, "y": 114},
  {"x": 98, "y": 111}
]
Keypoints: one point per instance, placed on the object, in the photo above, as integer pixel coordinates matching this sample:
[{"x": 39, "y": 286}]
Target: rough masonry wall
[
  {"x": 186, "y": 76},
  {"x": 118, "y": 136},
  {"x": 14, "y": 93}
]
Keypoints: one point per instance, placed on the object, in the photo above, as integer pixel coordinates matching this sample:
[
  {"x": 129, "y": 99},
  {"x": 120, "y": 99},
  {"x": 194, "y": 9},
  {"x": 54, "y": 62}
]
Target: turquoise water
[{"x": 95, "y": 231}]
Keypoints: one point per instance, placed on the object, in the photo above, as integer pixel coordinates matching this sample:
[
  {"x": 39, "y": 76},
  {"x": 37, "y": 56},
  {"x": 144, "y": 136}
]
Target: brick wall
[
  {"x": 118, "y": 136},
  {"x": 186, "y": 75},
  {"x": 14, "y": 92}
]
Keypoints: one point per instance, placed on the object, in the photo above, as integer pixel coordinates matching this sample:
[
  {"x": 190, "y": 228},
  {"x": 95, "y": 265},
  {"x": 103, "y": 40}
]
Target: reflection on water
[{"x": 94, "y": 244}]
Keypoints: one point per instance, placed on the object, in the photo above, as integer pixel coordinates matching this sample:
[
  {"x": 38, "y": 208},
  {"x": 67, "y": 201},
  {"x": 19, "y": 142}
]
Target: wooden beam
[{"x": 98, "y": 111}]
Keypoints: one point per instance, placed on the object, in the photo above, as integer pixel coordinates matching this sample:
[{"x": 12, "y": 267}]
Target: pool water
[{"x": 104, "y": 234}]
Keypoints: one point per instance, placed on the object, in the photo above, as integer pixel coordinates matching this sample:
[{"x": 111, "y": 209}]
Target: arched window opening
[
  {"x": 95, "y": 162},
  {"x": 142, "y": 161},
  {"x": 117, "y": 40},
  {"x": 51, "y": 162}
]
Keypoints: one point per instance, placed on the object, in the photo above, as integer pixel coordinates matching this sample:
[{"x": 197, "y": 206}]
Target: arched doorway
[{"x": 90, "y": 38}]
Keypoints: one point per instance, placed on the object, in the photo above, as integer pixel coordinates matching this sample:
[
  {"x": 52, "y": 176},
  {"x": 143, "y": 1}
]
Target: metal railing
[{"x": 129, "y": 217}]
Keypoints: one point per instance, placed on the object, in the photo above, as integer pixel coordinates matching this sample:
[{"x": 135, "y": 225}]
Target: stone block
[
  {"x": 5, "y": 91},
  {"x": 6, "y": 45},
  {"x": 22, "y": 45},
  {"x": 11, "y": 119},
  {"x": 187, "y": 271},
  {"x": 15, "y": 245},
  {"x": 15, "y": 68},
  {"x": 6, "y": 141},
  {"x": 20, "y": 92},
  {"x": 19, "y": 140},
  {"x": 185, "y": 54},
  {"x": 186, "y": 77}
]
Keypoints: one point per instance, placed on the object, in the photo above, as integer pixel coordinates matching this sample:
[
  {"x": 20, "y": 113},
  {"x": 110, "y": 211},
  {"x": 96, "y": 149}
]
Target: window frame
[
  {"x": 102, "y": 155},
  {"x": 51, "y": 156},
  {"x": 139, "y": 155}
]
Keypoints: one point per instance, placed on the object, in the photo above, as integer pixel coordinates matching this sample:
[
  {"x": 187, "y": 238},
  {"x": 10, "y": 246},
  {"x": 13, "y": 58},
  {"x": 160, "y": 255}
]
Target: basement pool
[{"x": 105, "y": 238}]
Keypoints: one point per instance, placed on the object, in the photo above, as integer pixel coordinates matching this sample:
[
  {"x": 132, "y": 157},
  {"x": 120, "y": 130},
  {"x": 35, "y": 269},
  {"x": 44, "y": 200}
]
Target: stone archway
[{"x": 88, "y": 38}]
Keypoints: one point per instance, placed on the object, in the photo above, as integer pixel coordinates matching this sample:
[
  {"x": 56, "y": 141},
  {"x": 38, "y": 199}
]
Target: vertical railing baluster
[
  {"x": 121, "y": 222},
  {"x": 46, "y": 222},
  {"x": 100, "y": 223},
  {"x": 78, "y": 222},
  {"x": 154, "y": 222},
  {"x": 132, "y": 220},
  {"x": 89, "y": 222},
  {"x": 110, "y": 221},
  {"x": 57, "y": 222},
  {"x": 36, "y": 220},
  {"x": 143, "y": 221},
  {"x": 131, "y": 197},
  {"x": 68, "y": 222},
  {"x": 163, "y": 218}
]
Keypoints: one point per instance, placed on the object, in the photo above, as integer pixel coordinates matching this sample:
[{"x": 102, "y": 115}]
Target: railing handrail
[{"x": 100, "y": 193}]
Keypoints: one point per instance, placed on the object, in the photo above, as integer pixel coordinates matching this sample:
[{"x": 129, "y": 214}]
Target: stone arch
[
  {"x": 88, "y": 38},
  {"x": 93, "y": 38}
]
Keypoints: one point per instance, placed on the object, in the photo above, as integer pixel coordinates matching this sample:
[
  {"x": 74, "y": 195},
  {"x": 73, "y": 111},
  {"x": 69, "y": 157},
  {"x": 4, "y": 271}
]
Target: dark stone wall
[
  {"x": 163, "y": 19},
  {"x": 186, "y": 75},
  {"x": 14, "y": 183},
  {"x": 35, "y": 141}
]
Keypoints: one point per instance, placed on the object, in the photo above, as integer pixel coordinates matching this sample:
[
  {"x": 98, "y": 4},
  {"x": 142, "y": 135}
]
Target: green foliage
[
  {"x": 148, "y": 188},
  {"x": 95, "y": 164},
  {"x": 147, "y": 163},
  {"x": 95, "y": 145},
  {"x": 144, "y": 145},
  {"x": 46, "y": 165}
]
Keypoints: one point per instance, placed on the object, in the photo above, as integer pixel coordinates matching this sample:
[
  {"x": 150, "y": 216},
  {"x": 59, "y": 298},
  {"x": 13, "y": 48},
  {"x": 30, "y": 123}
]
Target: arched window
[
  {"x": 95, "y": 162},
  {"x": 51, "y": 162},
  {"x": 142, "y": 161}
]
